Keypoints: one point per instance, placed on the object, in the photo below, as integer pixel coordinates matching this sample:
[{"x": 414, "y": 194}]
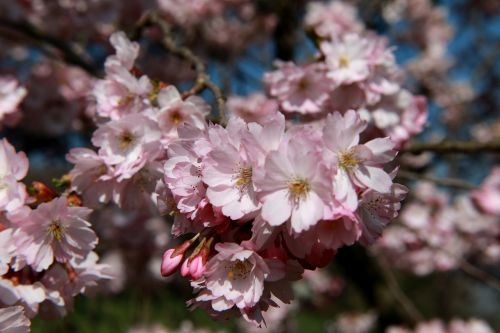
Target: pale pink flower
[
  {"x": 347, "y": 59},
  {"x": 235, "y": 277},
  {"x": 11, "y": 95},
  {"x": 488, "y": 195},
  {"x": 13, "y": 168},
  {"x": 376, "y": 210},
  {"x": 55, "y": 231},
  {"x": 90, "y": 176},
  {"x": 28, "y": 295},
  {"x": 295, "y": 187},
  {"x": 401, "y": 116},
  {"x": 128, "y": 143},
  {"x": 299, "y": 89},
  {"x": 255, "y": 108},
  {"x": 126, "y": 51},
  {"x": 228, "y": 172},
  {"x": 173, "y": 111},
  {"x": 332, "y": 19},
  {"x": 334, "y": 234},
  {"x": 13, "y": 320},
  {"x": 358, "y": 165}
]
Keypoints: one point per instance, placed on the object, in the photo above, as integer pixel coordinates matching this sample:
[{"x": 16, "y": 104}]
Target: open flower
[
  {"x": 55, "y": 231},
  {"x": 358, "y": 165},
  {"x": 294, "y": 188}
]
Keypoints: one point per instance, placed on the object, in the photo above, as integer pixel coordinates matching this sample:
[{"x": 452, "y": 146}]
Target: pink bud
[
  {"x": 197, "y": 267},
  {"x": 185, "y": 268},
  {"x": 168, "y": 264}
]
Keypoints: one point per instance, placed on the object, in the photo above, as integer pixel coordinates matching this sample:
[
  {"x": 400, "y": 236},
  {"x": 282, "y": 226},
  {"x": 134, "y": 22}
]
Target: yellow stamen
[
  {"x": 244, "y": 177},
  {"x": 298, "y": 188},
  {"x": 347, "y": 160},
  {"x": 126, "y": 138},
  {"x": 239, "y": 270},
  {"x": 56, "y": 229},
  {"x": 343, "y": 61}
]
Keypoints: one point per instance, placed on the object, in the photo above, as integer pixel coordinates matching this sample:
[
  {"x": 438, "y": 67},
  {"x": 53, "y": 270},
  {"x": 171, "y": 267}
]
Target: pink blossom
[
  {"x": 488, "y": 195},
  {"x": 13, "y": 320},
  {"x": 333, "y": 19},
  {"x": 90, "y": 176},
  {"x": 255, "y": 108},
  {"x": 173, "y": 111},
  {"x": 234, "y": 277},
  {"x": 299, "y": 89},
  {"x": 347, "y": 59},
  {"x": 126, "y": 51},
  {"x": 11, "y": 95},
  {"x": 13, "y": 168},
  {"x": 55, "y": 231},
  {"x": 128, "y": 143},
  {"x": 358, "y": 165},
  {"x": 293, "y": 187},
  {"x": 228, "y": 172}
]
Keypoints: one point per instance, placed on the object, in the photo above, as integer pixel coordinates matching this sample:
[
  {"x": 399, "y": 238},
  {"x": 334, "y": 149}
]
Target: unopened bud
[{"x": 170, "y": 263}]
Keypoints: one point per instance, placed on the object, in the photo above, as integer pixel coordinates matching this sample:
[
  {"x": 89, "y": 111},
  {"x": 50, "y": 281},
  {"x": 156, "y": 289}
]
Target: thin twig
[
  {"x": 479, "y": 274},
  {"x": 203, "y": 80},
  {"x": 448, "y": 147},
  {"x": 69, "y": 55},
  {"x": 451, "y": 182},
  {"x": 397, "y": 292}
]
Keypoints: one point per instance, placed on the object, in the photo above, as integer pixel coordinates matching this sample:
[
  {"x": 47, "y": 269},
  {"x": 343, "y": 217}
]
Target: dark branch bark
[
  {"x": 67, "y": 52},
  {"x": 451, "y": 182},
  {"x": 451, "y": 147},
  {"x": 203, "y": 80}
]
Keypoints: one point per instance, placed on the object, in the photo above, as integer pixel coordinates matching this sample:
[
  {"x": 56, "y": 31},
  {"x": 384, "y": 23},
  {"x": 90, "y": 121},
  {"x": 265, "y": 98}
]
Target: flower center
[
  {"x": 343, "y": 61},
  {"x": 176, "y": 117},
  {"x": 244, "y": 177},
  {"x": 347, "y": 160},
  {"x": 56, "y": 229},
  {"x": 126, "y": 139},
  {"x": 303, "y": 84},
  {"x": 298, "y": 188},
  {"x": 239, "y": 270}
]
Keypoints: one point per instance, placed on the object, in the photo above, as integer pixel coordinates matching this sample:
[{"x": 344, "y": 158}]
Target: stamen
[
  {"x": 126, "y": 138},
  {"x": 239, "y": 270},
  {"x": 56, "y": 229},
  {"x": 299, "y": 189},
  {"x": 244, "y": 177},
  {"x": 343, "y": 61},
  {"x": 347, "y": 160}
]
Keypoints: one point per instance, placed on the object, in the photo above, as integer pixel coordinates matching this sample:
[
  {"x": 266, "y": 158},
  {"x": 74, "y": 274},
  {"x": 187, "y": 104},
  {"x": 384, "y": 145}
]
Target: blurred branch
[
  {"x": 397, "y": 292},
  {"x": 451, "y": 182},
  {"x": 450, "y": 147},
  {"x": 69, "y": 55},
  {"x": 203, "y": 80},
  {"x": 479, "y": 274}
]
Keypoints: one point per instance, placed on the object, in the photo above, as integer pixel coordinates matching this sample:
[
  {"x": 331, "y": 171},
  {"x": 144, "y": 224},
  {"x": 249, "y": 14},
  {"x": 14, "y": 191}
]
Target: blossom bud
[
  {"x": 42, "y": 192},
  {"x": 169, "y": 263}
]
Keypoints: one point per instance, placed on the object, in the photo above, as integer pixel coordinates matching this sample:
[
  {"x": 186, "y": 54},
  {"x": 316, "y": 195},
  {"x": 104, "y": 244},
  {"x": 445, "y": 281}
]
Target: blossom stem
[
  {"x": 203, "y": 80},
  {"x": 452, "y": 147}
]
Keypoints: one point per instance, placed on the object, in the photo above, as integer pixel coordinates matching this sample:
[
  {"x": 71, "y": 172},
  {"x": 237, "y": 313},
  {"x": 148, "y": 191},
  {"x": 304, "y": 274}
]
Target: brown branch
[
  {"x": 479, "y": 274},
  {"x": 67, "y": 52},
  {"x": 203, "y": 80},
  {"x": 444, "y": 181},
  {"x": 450, "y": 147},
  {"x": 397, "y": 292}
]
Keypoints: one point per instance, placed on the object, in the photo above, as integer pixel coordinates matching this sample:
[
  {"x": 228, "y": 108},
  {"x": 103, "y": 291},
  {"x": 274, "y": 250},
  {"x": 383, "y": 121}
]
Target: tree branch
[
  {"x": 450, "y": 147},
  {"x": 69, "y": 55},
  {"x": 397, "y": 292},
  {"x": 450, "y": 182},
  {"x": 203, "y": 80}
]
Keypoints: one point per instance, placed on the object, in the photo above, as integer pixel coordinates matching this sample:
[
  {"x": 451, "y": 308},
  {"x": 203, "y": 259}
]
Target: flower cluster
[
  {"x": 11, "y": 95},
  {"x": 46, "y": 245},
  {"x": 455, "y": 326},
  {"x": 355, "y": 69},
  {"x": 435, "y": 234}
]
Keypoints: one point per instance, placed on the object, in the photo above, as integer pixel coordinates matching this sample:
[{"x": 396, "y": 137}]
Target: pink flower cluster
[
  {"x": 137, "y": 118},
  {"x": 294, "y": 197},
  {"x": 46, "y": 247},
  {"x": 355, "y": 69},
  {"x": 11, "y": 95},
  {"x": 455, "y": 326},
  {"x": 435, "y": 234}
]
